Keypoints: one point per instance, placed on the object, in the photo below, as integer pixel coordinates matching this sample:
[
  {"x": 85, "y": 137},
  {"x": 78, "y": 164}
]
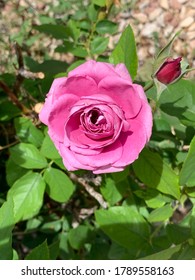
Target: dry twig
[
  {"x": 89, "y": 189},
  {"x": 13, "y": 97}
]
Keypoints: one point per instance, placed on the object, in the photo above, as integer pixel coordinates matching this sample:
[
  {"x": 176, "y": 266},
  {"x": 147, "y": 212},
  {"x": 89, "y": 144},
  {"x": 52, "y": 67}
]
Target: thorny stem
[{"x": 89, "y": 189}]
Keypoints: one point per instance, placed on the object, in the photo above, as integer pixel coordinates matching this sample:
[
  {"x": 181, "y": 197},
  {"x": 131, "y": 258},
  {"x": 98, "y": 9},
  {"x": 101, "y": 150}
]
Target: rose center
[{"x": 96, "y": 117}]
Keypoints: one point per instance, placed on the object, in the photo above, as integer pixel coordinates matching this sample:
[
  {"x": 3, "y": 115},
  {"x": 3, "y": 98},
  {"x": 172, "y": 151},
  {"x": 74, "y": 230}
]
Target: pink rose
[
  {"x": 169, "y": 71},
  {"x": 97, "y": 118}
]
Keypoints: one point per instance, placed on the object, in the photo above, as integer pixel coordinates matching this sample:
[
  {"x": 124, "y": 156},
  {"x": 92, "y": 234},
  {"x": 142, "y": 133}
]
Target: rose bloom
[
  {"x": 97, "y": 118},
  {"x": 169, "y": 71}
]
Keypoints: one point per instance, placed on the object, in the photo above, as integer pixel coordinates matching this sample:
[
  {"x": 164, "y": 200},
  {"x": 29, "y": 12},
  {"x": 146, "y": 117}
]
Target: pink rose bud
[{"x": 169, "y": 71}]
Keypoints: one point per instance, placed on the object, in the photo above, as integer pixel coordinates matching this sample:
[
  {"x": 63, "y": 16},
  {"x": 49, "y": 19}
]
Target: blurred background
[{"x": 153, "y": 23}]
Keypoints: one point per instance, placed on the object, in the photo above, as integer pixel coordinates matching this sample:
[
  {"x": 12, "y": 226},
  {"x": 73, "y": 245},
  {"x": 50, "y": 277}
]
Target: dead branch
[
  {"x": 13, "y": 98},
  {"x": 89, "y": 189}
]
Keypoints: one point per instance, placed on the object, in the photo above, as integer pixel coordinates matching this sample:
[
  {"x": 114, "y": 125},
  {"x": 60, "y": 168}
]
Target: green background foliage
[{"x": 146, "y": 211}]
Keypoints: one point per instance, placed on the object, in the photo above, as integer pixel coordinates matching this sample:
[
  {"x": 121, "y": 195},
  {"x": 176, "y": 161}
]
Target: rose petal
[
  {"x": 140, "y": 91},
  {"x": 81, "y": 86},
  {"x": 45, "y": 111},
  {"x": 98, "y": 97},
  {"x": 95, "y": 70},
  {"x": 145, "y": 114},
  {"x": 107, "y": 169},
  {"x": 85, "y": 151},
  {"x": 109, "y": 155},
  {"x": 69, "y": 160},
  {"x": 57, "y": 88},
  {"x": 132, "y": 142},
  {"x": 123, "y": 93},
  {"x": 59, "y": 115},
  {"x": 75, "y": 134},
  {"x": 145, "y": 117},
  {"x": 123, "y": 72}
]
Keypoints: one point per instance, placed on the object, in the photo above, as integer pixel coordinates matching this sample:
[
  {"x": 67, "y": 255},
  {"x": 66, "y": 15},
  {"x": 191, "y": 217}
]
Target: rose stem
[{"x": 148, "y": 85}]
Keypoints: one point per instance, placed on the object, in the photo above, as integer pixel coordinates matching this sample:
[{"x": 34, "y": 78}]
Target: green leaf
[
  {"x": 60, "y": 187},
  {"x": 15, "y": 255},
  {"x": 27, "y": 132},
  {"x": 187, "y": 174},
  {"x": 179, "y": 100},
  {"x": 74, "y": 31},
  {"x": 50, "y": 67},
  {"x": 106, "y": 26},
  {"x": 152, "y": 197},
  {"x": 120, "y": 176},
  {"x": 124, "y": 225},
  {"x": 6, "y": 227},
  {"x": 69, "y": 47},
  {"x": 182, "y": 229},
  {"x": 56, "y": 31},
  {"x": 27, "y": 194},
  {"x": 125, "y": 52},
  {"x": 190, "y": 192},
  {"x": 64, "y": 247},
  {"x": 99, "y": 45},
  {"x": 13, "y": 171},
  {"x": 59, "y": 163},
  {"x": 164, "y": 53},
  {"x": 51, "y": 227},
  {"x": 155, "y": 173},
  {"x": 92, "y": 13},
  {"x": 48, "y": 149},
  {"x": 75, "y": 64},
  {"x": 101, "y": 3},
  {"x": 160, "y": 214},
  {"x": 54, "y": 250},
  {"x": 118, "y": 252},
  {"x": 8, "y": 110},
  {"x": 85, "y": 24},
  {"x": 163, "y": 255},
  {"x": 180, "y": 157},
  {"x": 40, "y": 252},
  {"x": 28, "y": 156},
  {"x": 99, "y": 249},
  {"x": 78, "y": 236},
  {"x": 192, "y": 220},
  {"x": 46, "y": 19},
  {"x": 111, "y": 191},
  {"x": 187, "y": 252},
  {"x": 33, "y": 224}
]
